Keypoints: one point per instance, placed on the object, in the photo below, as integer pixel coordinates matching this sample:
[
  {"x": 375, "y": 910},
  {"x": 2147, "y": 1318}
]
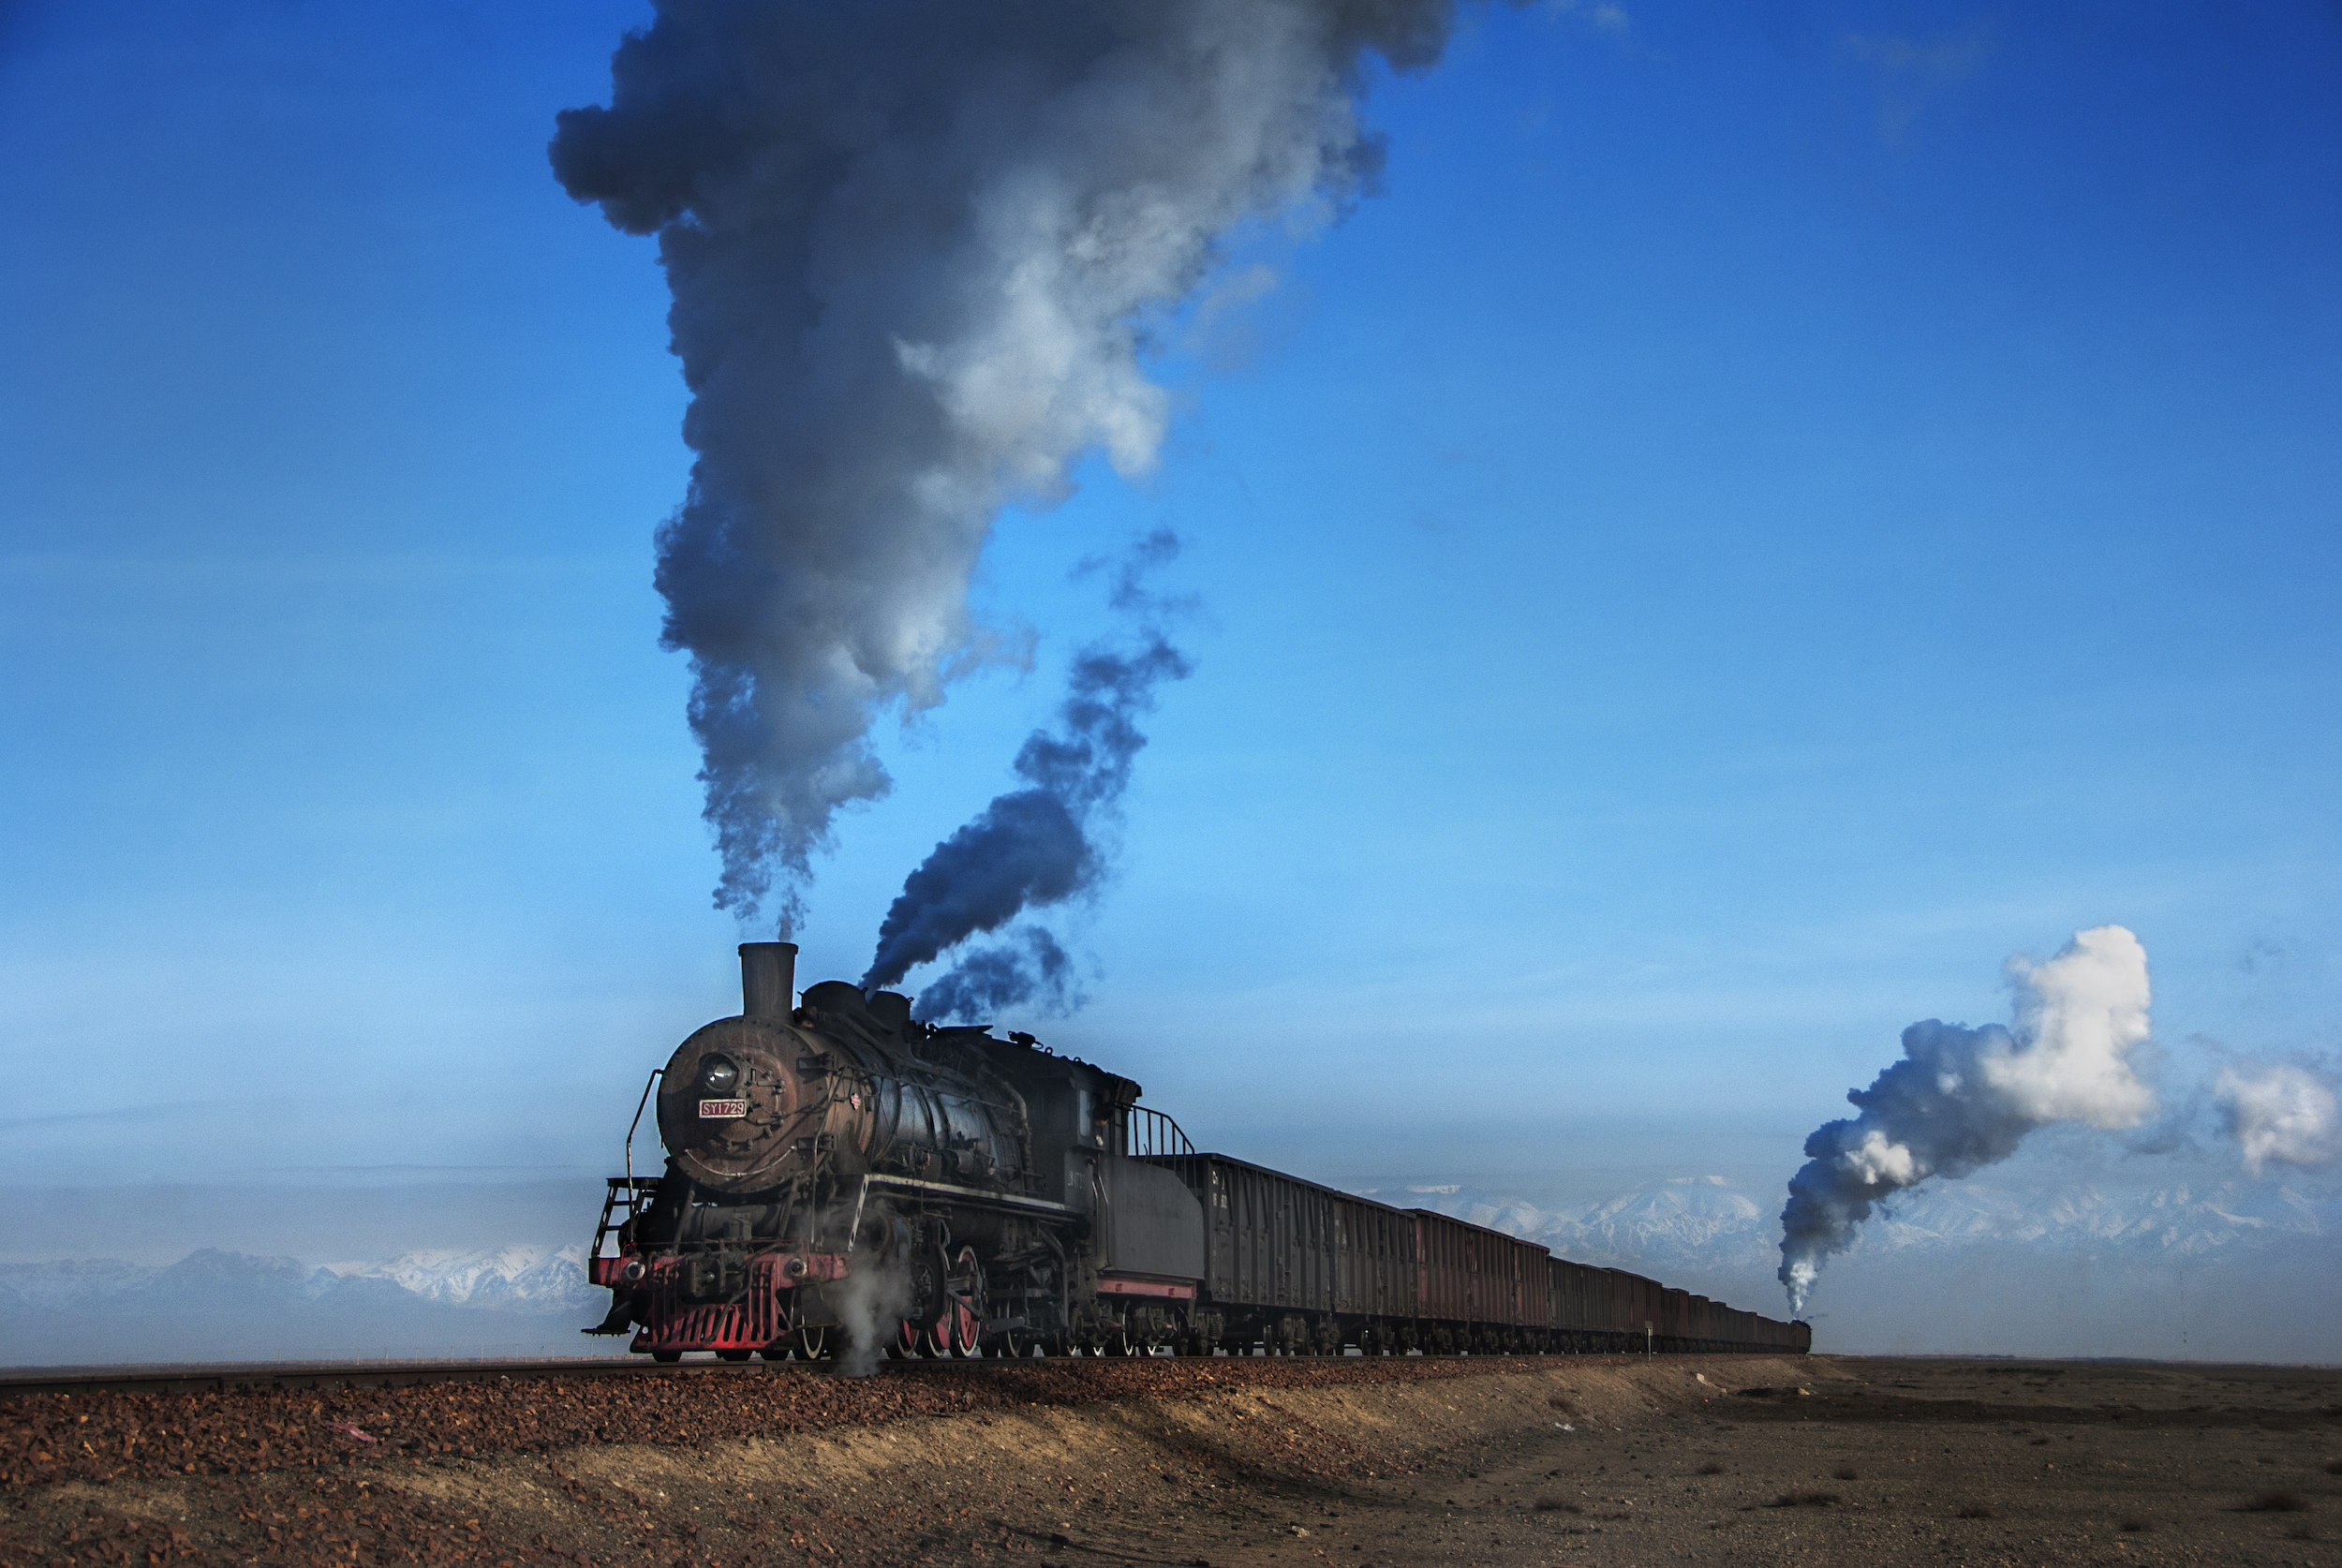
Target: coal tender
[{"x": 843, "y": 1177}]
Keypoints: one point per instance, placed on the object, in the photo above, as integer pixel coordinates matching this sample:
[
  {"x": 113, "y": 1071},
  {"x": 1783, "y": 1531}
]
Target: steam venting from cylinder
[
  {"x": 871, "y": 1303},
  {"x": 918, "y": 250},
  {"x": 1963, "y": 1098}
]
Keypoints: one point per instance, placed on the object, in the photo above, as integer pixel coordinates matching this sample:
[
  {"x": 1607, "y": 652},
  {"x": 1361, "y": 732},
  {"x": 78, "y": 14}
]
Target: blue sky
[{"x": 1772, "y": 510}]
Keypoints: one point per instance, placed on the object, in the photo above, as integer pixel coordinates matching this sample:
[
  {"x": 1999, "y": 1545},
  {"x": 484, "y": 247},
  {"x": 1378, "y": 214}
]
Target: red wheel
[
  {"x": 927, "y": 1333},
  {"x": 963, "y": 1310}
]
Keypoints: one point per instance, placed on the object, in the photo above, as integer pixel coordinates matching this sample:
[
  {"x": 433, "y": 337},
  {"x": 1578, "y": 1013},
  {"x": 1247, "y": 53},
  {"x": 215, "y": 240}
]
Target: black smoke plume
[
  {"x": 1031, "y": 967},
  {"x": 918, "y": 250},
  {"x": 1038, "y": 846}
]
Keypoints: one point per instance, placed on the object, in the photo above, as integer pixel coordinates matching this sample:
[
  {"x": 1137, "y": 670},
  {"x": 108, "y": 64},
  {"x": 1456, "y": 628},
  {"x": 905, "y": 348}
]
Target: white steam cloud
[
  {"x": 2286, "y": 1115},
  {"x": 871, "y": 1303},
  {"x": 918, "y": 250},
  {"x": 1962, "y": 1099}
]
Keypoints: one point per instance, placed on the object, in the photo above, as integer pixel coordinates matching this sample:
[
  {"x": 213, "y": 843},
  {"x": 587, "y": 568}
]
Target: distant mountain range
[
  {"x": 517, "y": 1277},
  {"x": 2216, "y": 1270},
  {"x": 515, "y": 1301},
  {"x": 1707, "y": 1221}
]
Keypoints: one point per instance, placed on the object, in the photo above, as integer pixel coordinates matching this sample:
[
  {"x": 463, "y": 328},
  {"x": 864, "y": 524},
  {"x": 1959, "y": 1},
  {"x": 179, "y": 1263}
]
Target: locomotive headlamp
[{"x": 718, "y": 1076}]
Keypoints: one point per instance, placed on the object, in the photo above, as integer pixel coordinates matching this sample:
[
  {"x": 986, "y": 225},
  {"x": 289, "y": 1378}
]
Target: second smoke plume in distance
[{"x": 1963, "y": 1098}]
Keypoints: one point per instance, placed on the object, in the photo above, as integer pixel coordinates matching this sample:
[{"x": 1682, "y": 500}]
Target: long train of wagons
[{"x": 838, "y": 1166}]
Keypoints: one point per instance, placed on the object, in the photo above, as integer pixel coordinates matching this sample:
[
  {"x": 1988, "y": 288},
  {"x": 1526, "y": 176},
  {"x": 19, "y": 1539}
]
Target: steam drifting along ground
[{"x": 1591, "y": 1461}]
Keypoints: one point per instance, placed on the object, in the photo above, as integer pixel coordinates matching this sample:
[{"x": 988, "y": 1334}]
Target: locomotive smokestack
[{"x": 768, "y": 980}]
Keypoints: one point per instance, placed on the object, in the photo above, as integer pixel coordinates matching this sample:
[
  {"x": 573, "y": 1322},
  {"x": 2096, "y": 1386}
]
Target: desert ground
[{"x": 1606, "y": 1461}]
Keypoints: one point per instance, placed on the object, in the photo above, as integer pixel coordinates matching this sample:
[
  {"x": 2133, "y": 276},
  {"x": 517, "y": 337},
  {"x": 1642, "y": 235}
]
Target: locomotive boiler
[{"x": 840, "y": 1174}]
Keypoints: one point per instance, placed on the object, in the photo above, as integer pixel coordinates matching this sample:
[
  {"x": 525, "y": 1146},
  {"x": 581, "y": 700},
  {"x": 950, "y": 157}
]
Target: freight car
[{"x": 838, "y": 1170}]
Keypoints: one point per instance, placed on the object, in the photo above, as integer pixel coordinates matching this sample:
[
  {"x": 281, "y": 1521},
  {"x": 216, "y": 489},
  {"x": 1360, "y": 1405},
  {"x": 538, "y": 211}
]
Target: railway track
[{"x": 220, "y": 1378}]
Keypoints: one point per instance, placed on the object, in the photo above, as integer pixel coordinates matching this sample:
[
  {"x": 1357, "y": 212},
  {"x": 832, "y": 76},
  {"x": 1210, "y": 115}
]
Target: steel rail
[
  {"x": 225, "y": 1377},
  {"x": 219, "y": 1377}
]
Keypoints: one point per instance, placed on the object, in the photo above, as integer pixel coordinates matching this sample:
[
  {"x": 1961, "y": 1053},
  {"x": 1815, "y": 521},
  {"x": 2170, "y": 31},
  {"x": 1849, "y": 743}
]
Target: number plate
[{"x": 718, "y": 1108}]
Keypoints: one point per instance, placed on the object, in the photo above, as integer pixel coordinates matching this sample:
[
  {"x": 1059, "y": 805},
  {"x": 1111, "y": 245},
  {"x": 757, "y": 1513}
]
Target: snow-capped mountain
[
  {"x": 1675, "y": 1221},
  {"x": 528, "y": 1277},
  {"x": 2220, "y": 1269},
  {"x": 519, "y": 1299},
  {"x": 2183, "y": 1218},
  {"x": 1706, "y": 1219},
  {"x": 1680, "y": 1217}
]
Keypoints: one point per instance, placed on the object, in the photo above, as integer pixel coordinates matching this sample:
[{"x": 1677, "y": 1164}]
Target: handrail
[
  {"x": 1154, "y": 1135},
  {"x": 655, "y": 1074}
]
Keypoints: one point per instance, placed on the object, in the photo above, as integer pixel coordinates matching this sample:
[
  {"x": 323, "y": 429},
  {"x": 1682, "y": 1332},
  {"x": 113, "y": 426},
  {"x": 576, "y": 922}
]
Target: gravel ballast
[{"x": 1623, "y": 1462}]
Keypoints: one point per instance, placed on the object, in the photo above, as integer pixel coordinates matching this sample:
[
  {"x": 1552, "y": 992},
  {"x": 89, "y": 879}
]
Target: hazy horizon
[{"x": 1755, "y": 519}]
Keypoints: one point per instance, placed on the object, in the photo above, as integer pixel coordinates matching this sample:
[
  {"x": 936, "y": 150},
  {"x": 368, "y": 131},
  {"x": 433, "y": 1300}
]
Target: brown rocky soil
[{"x": 1594, "y": 1461}]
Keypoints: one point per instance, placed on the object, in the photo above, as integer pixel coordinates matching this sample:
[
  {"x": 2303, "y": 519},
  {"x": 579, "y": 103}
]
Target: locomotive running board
[{"x": 975, "y": 1197}]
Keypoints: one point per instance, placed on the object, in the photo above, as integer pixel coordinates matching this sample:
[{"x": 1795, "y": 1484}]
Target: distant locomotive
[{"x": 838, "y": 1163}]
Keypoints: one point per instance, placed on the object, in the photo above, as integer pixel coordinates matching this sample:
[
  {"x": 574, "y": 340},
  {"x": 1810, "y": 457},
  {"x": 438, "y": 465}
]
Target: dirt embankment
[{"x": 1592, "y": 1461}]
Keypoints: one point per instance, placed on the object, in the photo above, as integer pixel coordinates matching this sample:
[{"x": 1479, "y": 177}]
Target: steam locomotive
[{"x": 840, "y": 1173}]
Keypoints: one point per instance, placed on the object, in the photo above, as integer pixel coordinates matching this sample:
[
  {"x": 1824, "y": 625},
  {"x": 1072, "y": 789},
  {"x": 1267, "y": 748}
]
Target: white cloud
[{"x": 2284, "y": 1113}]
